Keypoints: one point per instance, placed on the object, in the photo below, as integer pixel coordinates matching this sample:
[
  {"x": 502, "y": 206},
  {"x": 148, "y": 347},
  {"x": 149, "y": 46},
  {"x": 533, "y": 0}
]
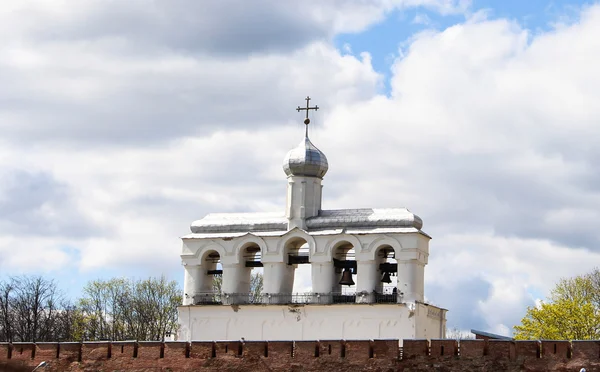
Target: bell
[
  {"x": 386, "y": 278},
  {"x": 347, "y": 278}
]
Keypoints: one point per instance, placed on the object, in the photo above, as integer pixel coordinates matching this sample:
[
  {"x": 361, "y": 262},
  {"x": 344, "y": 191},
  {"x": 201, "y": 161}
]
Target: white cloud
[
  {"x": 421, "y": 19},
  {"x": 489, "y": 135}
]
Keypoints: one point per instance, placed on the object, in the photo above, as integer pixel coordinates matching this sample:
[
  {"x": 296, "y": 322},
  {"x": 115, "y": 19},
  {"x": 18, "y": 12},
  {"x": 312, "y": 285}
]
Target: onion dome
[{"x": 305, "y": 160}]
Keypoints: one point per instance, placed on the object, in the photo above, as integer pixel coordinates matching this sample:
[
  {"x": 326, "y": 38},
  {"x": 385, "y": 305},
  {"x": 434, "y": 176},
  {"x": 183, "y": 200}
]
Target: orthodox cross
[{"x": 307, "y": 108}]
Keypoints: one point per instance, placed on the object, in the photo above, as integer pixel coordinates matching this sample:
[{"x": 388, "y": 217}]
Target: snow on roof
[{"x": 355, "y": 221}]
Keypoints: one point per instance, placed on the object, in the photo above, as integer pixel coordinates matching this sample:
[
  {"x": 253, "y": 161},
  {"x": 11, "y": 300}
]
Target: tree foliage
[
  {"x": 32, "y": 310},
  {"x": 572, "y": 312},
  {"x": 120, "y": 309}
]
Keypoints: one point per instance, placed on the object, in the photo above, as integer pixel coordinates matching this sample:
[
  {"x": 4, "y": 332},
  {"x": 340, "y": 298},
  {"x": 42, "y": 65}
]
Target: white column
[
  {"x": 244, "y": 284},
  {"x": 287, "y": 285},
  {"x": 379, "y": 287},
  {"x": 336, "y": 286},
  {"x": 322, "y": 275},
  {"x": 411, "y": 276},
  {"x": 278, "y": 281},
  {"x": 232, "y": 277},
  {"x": 366, "y": 281},
  {"x": 191, "y": 283}
]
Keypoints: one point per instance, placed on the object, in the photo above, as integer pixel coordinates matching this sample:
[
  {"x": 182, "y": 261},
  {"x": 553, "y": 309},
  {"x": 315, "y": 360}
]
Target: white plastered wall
[
  {"x": 311, "y": 322},
  {"x": 301, "y": 322}
]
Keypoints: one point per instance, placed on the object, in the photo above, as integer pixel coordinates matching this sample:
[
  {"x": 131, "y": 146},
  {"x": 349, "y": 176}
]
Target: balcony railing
[{"x": 211, "y": 298}]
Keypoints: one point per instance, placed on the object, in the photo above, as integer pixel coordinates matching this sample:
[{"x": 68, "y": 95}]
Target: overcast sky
[{"x": 121, "y": 122}]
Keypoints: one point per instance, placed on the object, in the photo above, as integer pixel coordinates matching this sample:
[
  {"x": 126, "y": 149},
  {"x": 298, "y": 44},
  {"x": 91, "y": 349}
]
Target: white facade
[
  {"x": 310, "y": 322},
  {"x": 368, "y": 245}
]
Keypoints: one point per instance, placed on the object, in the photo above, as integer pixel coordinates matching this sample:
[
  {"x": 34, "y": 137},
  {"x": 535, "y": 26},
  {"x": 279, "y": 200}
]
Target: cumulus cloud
[
  {"x": 135, "y": 72},
  {"x": 229, "y": 27},
  {"x": 122, "y": 123},
  {"x": 36, "y": 204},
  {"x": 489, "y": 131},
  {"x": 89, "y": 95}
]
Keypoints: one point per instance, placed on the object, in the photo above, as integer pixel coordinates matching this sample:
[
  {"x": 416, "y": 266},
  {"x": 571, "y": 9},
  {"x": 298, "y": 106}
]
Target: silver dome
[{"x": 305, "y": 160}]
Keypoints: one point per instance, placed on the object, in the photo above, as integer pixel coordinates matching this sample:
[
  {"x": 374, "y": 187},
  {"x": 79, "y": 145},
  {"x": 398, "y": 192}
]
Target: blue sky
[
  {"x": 384, "y": 40},
  {"x": 124, "y": 123}
]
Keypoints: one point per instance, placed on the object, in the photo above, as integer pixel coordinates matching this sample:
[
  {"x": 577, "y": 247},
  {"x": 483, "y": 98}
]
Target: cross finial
[{"x": 307, "y": 108}]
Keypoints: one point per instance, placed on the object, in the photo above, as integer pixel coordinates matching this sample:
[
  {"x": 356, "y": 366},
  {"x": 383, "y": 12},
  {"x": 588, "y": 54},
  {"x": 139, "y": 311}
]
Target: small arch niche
[
  {"x": 297, "y": 256},
  {"x": 345, "y": 271},
  {"x": 252, "y": 282},
  {"x": 387, "y": 274},
  {"x": 213, "y": 271}
]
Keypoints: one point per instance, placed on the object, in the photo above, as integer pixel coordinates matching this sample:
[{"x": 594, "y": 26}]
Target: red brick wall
[
  {"x": 586, "y": 349},
  {"x": 328, "y": 355},
  {"x": 358, "y": 351},
  {"x": 472, "y": 348},
  {"x": 443, "y": 348},
  {"x": 46, "y": 351},
  {"x": 305, "y": 349},
  {"x": 202, "y": 350},
  {"x": 332, "y": 349},
  {"x": 69, "y": 352},
  {"x": 556, "y": 349},
  {"x": 527, "y": 349},
  {"x": 22, "y": 351},
  {"x": 501, "y": 349},
  {"x": 386, "y": 349},
  {"x": 4, "y": 351},
  {"x": 414, "y": 348}
]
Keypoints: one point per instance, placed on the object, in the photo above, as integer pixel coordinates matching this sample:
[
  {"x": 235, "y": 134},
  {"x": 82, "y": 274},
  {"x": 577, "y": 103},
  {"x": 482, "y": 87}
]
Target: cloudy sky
[{"x": 122, "y": 122}]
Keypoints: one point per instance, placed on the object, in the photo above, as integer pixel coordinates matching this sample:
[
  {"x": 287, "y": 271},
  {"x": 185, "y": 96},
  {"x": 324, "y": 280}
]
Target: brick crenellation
[{"x": 333, "y": 355}]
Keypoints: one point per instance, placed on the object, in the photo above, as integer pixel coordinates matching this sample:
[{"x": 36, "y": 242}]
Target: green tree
[
  {"x": 571, "y": 313},
  {"x": 119, "y": 309}
]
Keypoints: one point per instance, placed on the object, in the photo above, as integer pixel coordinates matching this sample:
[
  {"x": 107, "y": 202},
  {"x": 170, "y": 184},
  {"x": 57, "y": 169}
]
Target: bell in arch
[
  {"x": 386, "y": 278},
  {"x": 347, "y": 278}
]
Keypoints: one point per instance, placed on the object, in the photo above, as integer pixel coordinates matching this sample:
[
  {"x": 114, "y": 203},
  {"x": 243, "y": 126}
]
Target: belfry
[{"x": 367, "y": 268}]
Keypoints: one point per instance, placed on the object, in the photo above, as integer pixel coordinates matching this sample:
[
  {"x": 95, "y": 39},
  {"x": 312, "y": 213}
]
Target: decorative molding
[
  {"x": 353, "y": 240},
  {"x": 385, "y": 240},
  {"x": 295, "y": 233},
  {"x": 244, "y": 241}
]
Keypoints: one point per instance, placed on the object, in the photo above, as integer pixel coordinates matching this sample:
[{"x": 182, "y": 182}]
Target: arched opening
[
  {"x": 252, "y": 277},
  {"x": 212, "y": 272},
  {"x": 387, "y": 274},
  {"x": 297, "y": 279},
  {"x": 345, "y": 270}
]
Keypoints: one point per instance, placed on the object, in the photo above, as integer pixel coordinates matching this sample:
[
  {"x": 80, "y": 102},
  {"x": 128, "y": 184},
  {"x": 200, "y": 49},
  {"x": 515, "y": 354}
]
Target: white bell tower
[
  {"x": 378, "y": 253},
  {"x": 305, "y": 167}
]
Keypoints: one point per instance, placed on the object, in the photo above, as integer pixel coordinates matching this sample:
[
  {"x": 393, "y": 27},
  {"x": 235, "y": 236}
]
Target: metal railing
[{"x": 212, "y": 298}]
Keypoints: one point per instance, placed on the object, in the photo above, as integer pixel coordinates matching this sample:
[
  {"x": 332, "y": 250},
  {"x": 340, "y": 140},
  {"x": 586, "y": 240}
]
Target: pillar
[
  {"x": 197, "y": 285},
  {"x": 367, "y": 279},
  {"x": 233, "y": 276},
  {"x": 278, "y": 282},
  {"x": 336, "y": 287},
  {"x": 322, "y": 276},
  {"x": 191, "y": 283},
  {"x": 411, "y": 276},
  {"x": 243, "y": 288}
]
